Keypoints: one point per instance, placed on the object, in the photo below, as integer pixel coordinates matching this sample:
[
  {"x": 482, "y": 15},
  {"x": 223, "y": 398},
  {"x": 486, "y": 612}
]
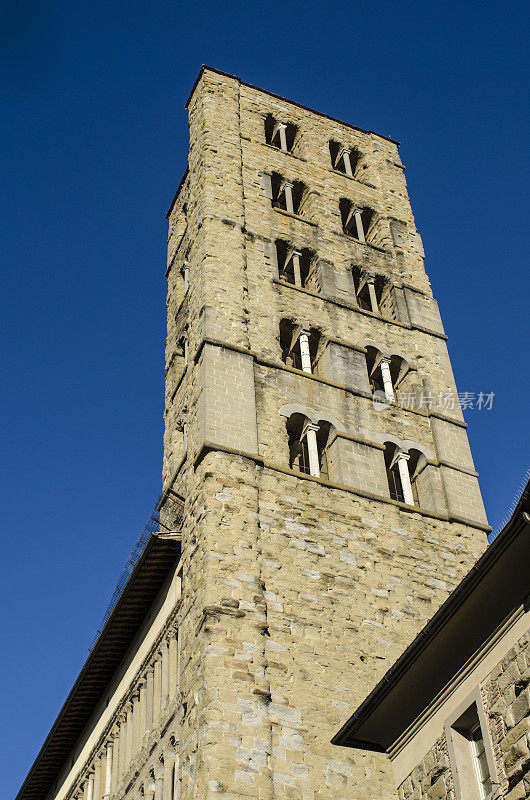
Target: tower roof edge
[{"x": 205, "y": 68}]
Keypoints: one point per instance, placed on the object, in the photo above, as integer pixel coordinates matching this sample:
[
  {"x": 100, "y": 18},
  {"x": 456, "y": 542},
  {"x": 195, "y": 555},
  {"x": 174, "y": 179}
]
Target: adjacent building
[
  {"x": 453, "y": 712},
  {"x": 319, "y": 500}
]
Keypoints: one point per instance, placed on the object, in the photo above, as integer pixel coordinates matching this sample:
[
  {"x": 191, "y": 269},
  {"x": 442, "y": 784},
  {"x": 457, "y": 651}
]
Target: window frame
[{"x": 464, "y": 767}]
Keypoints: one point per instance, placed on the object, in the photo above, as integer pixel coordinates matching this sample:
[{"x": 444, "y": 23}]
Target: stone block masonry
[
  {"x": 299, "y": 592},
  {"x": 505, "y": 698},
  {"x": 305, "y": 567}
]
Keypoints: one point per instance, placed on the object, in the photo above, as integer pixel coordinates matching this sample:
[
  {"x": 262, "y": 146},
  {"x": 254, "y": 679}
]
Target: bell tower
[
  {"x": 314, "y": 430},
  {"x": 319, "y": 496}
]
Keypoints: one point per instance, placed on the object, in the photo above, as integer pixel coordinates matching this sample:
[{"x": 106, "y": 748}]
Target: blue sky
[{"x": 93, "y": 146}]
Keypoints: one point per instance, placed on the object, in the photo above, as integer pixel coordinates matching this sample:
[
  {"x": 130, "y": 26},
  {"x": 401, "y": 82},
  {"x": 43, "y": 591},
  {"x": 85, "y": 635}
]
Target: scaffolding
[{"x": 169, "y": 508}]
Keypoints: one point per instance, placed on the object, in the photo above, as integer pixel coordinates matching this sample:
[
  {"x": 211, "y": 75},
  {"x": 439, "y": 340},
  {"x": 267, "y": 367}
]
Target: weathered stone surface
[
  {"x": 297, "y": 592},
  {"x": 330, "y": 584}
]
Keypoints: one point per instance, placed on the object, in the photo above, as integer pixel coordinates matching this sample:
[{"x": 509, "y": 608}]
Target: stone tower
[{"x": 330, "y": 502}]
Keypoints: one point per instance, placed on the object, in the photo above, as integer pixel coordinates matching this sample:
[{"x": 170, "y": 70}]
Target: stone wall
[
  {"x": 298, "y": 593},
  {"x": 295, "y": 604},
  {"x": 506, "y": 702}
]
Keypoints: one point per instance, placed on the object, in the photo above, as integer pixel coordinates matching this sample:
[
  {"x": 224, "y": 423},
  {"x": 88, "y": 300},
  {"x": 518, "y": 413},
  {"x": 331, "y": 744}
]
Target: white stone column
[
  {"x": 164, "y": 688},
  {"x": 137, "y": 736},
  {"x": 176, "y": 780},
  {"x": 168, "y": 777},
  {"x": 143, "y": 712},
  {"x": 157, "y": 693},
  {"x": 312, "y": 448},
  {"x": 159, "y": 782},
  {"x": 387, "y": 378},
  {"x": 303, "y": 340},
  {"x": 359, "y": 224},
  {"x": 90, "y": 787},
  {"x": 296, "y": 268},
  {"x": 123, "y": 747},
  {"x": 97, "y": 779},
  {"x": 373, "y": 297},
  {"x": 173, "y": 678},
  {"x": 347, "y": 162},
  {"x": 149, "y": 698},
  {"x": 108, "y": 771},
  {"x": 402, "y": 459},
  {"x": 282, "y": 130},
  {"x": 115, "y": 760},
  {"x": 129, "y": 745},
  {"x": 288, "y": 191}
]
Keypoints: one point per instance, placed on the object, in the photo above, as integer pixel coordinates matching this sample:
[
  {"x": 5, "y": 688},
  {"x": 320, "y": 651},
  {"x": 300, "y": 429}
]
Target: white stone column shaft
[
  {"x": 165, "y": 675},
  {"x": 347, "y": 163},
  {"x": 312, "y": 448},
  {"x": 359, "y": 225},
  {"x": 141, "y": 713},
  {"x": 402, "y": 459},
  {"x": 282, "y": 130},
  {"x": 149, "y": 699},
  {"x": 303, "y": 340},
  {"x": 129, "y": 746},
  {"x": 288, "y": 191},
  {"x": 173, "y": 678},
  {"x": 90, "y": 787},
  {"x": 108, "y": 770},
  {"x": 373, "y": 296},
  {"x": 123, "y": 747},
  {"x": 387, "y": 378},
  {"x": 157, "y": 687},
  {"x": 115, "y": 761},
  {"x": 97, "y": 779},
  {"x": 159, "y": 788},
  {"x": 296, "y": 268}
]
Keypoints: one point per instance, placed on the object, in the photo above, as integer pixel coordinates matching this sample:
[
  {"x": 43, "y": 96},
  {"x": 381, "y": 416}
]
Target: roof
[
  {"x": 132, "y": 607},
  {"x": 496, "y": 586}
]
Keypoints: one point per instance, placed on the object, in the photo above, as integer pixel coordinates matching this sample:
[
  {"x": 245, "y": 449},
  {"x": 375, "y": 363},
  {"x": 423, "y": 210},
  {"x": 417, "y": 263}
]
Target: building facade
[
  {"x": 453, "y": 713},
  {"x": 319, "y": 496}
]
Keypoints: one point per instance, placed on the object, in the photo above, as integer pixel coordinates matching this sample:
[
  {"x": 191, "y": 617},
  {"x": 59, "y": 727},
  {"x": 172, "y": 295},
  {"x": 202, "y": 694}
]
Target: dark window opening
[
  {"x": 357, "y": 222},
  {"x": 298, "y": 450},
  {"x": 294, "y": 266},
  {"x": 415, "y": 463},
  {"x": 342, "y": 157},
  {"x": 280, "y": 134},
  {"x": 362, "y": 292},
  {"x": 382, "y": 289},
  {"x": 286, "y": 195},
  {"x": 374, "y": 370},
  {"x": 290, "y": 345},
  {"x": 392, "y": 473},
  {"x": 323, "y": 435}
]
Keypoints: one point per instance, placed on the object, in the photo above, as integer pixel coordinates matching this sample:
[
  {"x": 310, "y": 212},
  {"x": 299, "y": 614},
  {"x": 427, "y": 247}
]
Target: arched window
[
  {"x": 344, "y": 159},
  {"x": 294, "y": 265},
  {"x": 416, "y": 463},
  {"x": 356, "y": 220},
  {"x": 374, "y": 293},
  {"x": 384, "y": 372},
  {"x": 401, "y": 470},
  {"x": 286, "y": 194},
  {"x": 280, "y": 134},
  {"x": 298, "y": 449},
  {"x": 308, "y": 445},
  {"x": 299, "y": 346}
]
